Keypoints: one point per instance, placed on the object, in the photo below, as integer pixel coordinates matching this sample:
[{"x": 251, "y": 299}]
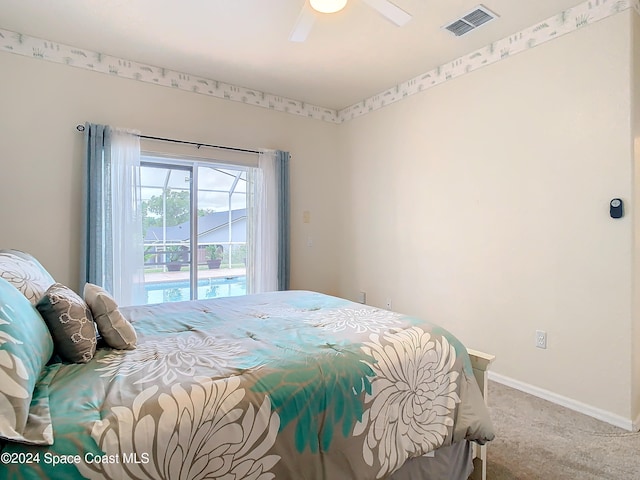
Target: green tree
[{"x": 178, "y": 207}]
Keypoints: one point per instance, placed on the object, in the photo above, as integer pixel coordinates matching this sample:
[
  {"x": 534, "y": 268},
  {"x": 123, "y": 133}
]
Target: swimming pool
[{"x": 207, "y": 288}]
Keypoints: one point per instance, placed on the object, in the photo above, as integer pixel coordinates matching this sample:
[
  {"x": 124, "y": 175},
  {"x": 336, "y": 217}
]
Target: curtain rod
[{"x": 80, "y": 128}]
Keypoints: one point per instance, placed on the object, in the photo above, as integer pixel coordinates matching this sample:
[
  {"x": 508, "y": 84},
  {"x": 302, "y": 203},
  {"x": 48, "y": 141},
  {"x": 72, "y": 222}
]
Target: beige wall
[
  {"x": 482, "y": 204},
  {"x": 635, "y": 96},
  {"x": 41, "y": 151}
]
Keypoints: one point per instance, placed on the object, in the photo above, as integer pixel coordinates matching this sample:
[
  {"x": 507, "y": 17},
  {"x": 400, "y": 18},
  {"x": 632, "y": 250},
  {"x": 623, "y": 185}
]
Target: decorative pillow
[
  {"x": 25, "y": 348},
  {"x": 70, "y": 322},
  {"x": 25, "y": 273},
  {"x": 114, "y": 328}
]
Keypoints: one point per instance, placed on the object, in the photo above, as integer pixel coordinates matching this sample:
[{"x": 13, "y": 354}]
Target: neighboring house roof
[{"x": 212, "y": 228}]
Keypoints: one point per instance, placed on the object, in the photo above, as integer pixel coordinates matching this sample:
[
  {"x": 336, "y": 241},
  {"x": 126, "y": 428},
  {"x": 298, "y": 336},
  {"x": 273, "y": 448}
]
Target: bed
[{"x": 284, "y": 385}]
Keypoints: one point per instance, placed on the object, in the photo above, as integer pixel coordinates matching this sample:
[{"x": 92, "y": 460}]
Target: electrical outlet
[
  {"x": 388, "y": 304},
  {"x": 362, "y": 297},
  {"x": 541, "y": 339}
]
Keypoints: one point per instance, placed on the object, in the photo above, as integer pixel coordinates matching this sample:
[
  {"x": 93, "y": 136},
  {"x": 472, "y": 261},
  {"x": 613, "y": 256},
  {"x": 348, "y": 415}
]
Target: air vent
[{"x": 472, "y": 20}]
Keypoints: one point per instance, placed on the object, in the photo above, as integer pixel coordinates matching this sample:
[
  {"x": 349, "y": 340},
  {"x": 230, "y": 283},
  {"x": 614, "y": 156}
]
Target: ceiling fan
[{"x": 311, "y": 8}]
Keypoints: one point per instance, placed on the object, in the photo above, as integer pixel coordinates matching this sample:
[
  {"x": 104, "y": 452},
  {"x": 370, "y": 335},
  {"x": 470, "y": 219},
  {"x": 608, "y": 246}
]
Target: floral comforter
[{"x": 287, "y": 385}]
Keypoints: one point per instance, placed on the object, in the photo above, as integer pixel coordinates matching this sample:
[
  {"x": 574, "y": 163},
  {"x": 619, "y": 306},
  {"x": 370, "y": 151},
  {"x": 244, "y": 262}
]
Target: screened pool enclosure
[{"x": 194, "y": 217}]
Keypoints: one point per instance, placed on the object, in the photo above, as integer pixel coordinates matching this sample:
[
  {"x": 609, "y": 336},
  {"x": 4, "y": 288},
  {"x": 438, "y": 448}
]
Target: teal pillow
[{"x": 25, "y": 348}]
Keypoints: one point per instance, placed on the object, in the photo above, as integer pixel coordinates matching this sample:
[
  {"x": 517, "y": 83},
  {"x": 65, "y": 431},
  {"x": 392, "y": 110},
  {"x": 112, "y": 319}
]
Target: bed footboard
[{"x": 480, "y": 363}]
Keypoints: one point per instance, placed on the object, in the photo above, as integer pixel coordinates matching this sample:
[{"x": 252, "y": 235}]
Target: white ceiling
[{"x": 348, "y": 56}]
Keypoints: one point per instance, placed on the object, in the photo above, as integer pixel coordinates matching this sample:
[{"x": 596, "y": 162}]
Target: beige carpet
[{"x": 536, "y": 439}]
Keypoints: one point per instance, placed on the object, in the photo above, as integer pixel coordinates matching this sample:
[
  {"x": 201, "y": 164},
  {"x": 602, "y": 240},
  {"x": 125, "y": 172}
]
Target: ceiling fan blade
[
  {"x": 391, "y": 12},
  {"x": 303, "y": 24}
]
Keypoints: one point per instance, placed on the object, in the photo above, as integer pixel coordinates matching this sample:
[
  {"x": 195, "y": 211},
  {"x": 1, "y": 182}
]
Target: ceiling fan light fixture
[{"x": 328, "y": 6}]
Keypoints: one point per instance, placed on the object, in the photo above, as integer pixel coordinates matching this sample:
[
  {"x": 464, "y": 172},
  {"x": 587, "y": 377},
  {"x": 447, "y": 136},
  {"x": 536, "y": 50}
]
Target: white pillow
[
  {"x": 25, "y": 273},
  {"x": 116, "y": 330}
]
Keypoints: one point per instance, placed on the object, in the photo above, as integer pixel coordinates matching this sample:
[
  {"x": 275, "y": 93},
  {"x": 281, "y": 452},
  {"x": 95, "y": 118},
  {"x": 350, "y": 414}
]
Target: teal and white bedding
[{"x": 286, "y": 385}]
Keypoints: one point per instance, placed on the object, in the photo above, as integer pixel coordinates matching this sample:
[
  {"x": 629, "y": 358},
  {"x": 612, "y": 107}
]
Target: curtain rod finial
[{"x": 80, "y": 127}]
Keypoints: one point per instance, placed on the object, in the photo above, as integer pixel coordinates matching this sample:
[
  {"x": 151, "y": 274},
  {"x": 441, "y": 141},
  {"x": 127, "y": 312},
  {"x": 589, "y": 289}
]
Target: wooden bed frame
[{"x": 480, "y": 363}]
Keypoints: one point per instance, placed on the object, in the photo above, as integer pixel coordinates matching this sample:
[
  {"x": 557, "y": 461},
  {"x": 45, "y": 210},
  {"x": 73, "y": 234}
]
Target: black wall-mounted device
[{"x": 616, "y": 208}]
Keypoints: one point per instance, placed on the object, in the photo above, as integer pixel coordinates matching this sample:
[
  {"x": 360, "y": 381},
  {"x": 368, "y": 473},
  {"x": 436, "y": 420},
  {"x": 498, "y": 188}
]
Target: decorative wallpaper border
[
  {"x": 21, "y": 44},
  {"x": 565, "y": 22}
]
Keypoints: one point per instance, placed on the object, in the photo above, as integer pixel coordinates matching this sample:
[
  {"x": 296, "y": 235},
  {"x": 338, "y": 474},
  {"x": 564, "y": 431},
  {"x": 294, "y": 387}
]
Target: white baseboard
[{"x": 567, "y": 402}]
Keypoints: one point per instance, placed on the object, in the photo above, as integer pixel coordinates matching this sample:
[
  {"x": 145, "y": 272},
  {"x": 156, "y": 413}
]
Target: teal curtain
[
  {"x": 97, "y": 239},
  {"x": 112, "y": 243},
  {"x": 282, "y": 178}
]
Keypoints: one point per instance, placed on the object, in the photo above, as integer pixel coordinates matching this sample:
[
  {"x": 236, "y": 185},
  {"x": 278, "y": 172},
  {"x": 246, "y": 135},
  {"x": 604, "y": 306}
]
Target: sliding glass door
[
  {"x": 195, "y": 229},
  {"x": 166, "y": 217},
  {"x": 222, "y": 231}
]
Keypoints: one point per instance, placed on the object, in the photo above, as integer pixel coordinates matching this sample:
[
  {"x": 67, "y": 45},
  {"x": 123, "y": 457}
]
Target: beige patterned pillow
[
  {"x": 70, "y": 322},
  {"x": 114, "y": 328},
  {"x": 25, "y": 273}
]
